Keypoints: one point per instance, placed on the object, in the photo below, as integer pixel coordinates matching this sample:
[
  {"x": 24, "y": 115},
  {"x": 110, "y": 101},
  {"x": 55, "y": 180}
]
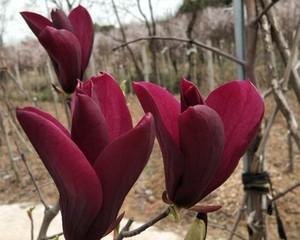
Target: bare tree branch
[
  {"x": 137, "y": 68},
  {"x": 191, "y": 54},
  {"x": 4, "y": 129},
  {"x": 126, "y": 234},
  {"x": 144, "y": 17},
  {"x": 49, "y": 214},
  {"x": 195, "y": 42},
  {"x": 264, "y": 11},
  {"x": 251, "y": 32},
  {"x": 278, "y": 93},
  {"x": 292, "y": 58},
  {"x": 152, "y": 18},
  {"x": 282, "y": 46},
  {"x": 289, "y": 189}
]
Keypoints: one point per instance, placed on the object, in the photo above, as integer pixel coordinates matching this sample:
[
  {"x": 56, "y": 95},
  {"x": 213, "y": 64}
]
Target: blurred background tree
[{"x": 191, "y": 5}]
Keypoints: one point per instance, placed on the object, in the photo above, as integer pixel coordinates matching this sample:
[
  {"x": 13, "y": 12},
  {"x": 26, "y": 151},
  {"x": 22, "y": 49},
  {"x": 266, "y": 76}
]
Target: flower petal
[
  {"x": 113, "y": 105},
  {"x": 241, "y": 109},
  {"x": 64, "y": 49},
  {"x": 78, "y": 185},
  {"x": 84, "y": 30},
  {"x": 201, "y": 140},
  {"x": 89, "y": 130},
  {"x": 60, "y": 20},
  {"x": 160, "y": 102},
  {"x": 48, "y": 117},
  {"x": 118, "y": 167},
  {"x": 115, "y": 223},
  {"x": 205, "y": 208},
  {"x": 165, "y": 109},
  {"x": 36, "y": 22},
  {"x": 189, "y": 95}
]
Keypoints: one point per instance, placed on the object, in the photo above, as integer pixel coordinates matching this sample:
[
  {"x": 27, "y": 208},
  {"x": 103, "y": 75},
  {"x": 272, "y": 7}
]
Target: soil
[{"x": 144, "y": 200}]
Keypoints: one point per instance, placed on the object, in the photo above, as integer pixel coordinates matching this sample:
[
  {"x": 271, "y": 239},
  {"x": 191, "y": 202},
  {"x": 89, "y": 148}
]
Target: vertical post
[
  {"x": 239, "y": 36},
  {"x": 240, "y": 48},
  {"x": 253, "y": 165}
]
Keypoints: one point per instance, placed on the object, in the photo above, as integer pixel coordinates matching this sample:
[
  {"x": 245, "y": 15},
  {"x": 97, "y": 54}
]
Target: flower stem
[{"x": 126, "y": 233}]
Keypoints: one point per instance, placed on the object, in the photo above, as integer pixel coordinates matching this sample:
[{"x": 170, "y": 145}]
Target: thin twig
[
  {"x": 32, "y": 178},
  {"x": 125, "y": 228},
  {"x": 152, "y": 18},
  {"x": 289, "y": 189},
  {"x": 238, "y": 218},
  {"x": 21, "y": 138},
  {"x": 291, "y": 152},
  {"x": 268, "y": 92},
  {"x": 292, "y": 58},
  {"x": 9, "y": 148},
  {"x": 191, "y": 41},
  {"x": 122, "y": 30},
  {"x": 21, "y": 90},
  {"x": 53, "y": 236},
  {"x": 263, "y": 12},
  {"x": 29, "y": 213},
  {"x": 223, "y": 227},
  {"x": 278, "y": 94},
  {"x": 265, "y": 137},
  {"x": 50, "y": 82},
  {"x": 282, "y": 46},
  {"x": 126, "y": 234},
  {"x": 144, "y": 16},
  {"x": 49, "y": 214}
]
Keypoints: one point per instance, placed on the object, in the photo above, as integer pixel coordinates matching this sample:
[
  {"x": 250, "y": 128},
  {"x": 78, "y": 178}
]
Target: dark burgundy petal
[
  {"x": 189, "y": 95},
  {"x": 118, "y": 167},
  {"x": 60, "y": 20},
  {"x": 201, "y": 141},
  {"x": 36, "y": 22},
  {"x": 49, "y": 118},
  {"x": 166, "y": 106},
  {"x": 115, "y": 223},
  {"x": 78, "y": 185},
  {"x": 165, "y": 109},
  {"x": 84, "y": 30},
  {"x": 89, "y": 130},
  {"x": 241, "y": 109},
  {"x": 165, "y": 198},
  {"x": 113, "y": 105},
  {"x": 64, "y": 49},
  {"x": 87, "y": 87}
]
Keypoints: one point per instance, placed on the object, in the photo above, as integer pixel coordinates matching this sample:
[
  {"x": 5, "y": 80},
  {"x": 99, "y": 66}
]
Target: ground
[{"x": 144, "y": 200}]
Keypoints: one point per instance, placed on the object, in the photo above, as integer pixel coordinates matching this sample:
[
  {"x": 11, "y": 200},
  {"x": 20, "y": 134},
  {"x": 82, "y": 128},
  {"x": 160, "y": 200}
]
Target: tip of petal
[
  {"x": 80, "y": 7},
  {"x": 27, "y": 14},
  {"x": 35, "y": 21},
  {"x": 205, "y": 208},
  {"x": 147, "y": 119}
]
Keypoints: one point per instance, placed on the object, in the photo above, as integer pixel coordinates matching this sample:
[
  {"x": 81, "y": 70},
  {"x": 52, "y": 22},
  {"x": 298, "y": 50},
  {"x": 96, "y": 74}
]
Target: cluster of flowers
[{"x": 95, "y": 164}]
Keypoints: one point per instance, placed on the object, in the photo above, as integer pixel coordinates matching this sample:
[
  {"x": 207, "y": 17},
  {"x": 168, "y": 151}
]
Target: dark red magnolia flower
[
  {"x": 191, "y": 135},
  {"x": 95, "y": 166},
  {"x": 68, "y": 41}
]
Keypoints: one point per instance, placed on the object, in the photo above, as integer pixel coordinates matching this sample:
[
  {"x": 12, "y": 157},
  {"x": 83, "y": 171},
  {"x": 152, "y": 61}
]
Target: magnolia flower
[
  {"x": 95, "y": 166},
  {"x": 68, "y": 41},
  {"x": 201, "y": 139}
]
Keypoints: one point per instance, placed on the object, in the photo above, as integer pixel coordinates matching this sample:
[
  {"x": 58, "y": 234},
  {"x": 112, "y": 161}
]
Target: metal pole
[
  {"x": 239, "y": 36},
  {"x": 254, "y": 200}
]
